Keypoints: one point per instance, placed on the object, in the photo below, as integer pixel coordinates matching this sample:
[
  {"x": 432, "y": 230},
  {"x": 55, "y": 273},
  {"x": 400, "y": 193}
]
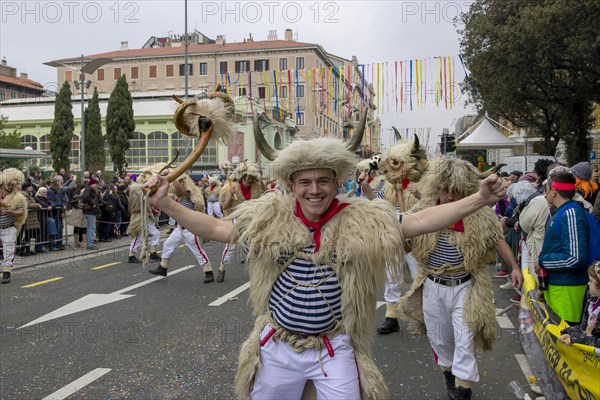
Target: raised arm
[
  {"x": 200, "y": 224},
  {"x": 433, "y": 219}
]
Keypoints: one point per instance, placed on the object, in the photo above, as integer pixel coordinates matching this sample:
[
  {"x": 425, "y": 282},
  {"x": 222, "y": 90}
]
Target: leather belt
[{"x": 449, "y": 281}]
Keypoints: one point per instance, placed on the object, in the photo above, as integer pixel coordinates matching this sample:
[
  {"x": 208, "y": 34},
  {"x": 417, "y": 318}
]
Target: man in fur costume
[
  {"x": 451, "y": 298},
  {"x": 307, "y": 247},
  {"x": 402, "y": 164},
  {"x": 189, "y": 195},
  {"x": 135, "y": 220},
  {"x": 213, "y": 207},
  {"x": 244, "y": 185},
  {"x": 13, "y": 213}
]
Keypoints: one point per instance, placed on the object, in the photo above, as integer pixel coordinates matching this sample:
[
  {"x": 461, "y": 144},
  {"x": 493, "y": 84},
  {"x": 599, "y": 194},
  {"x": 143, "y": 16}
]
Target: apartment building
[
  {"x": 322, "y": 93},
  {"x": 17, "y": 87}
]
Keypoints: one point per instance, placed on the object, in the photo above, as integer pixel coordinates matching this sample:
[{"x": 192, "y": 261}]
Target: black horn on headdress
[
  {"x": 357, "y": 136},
  {"x": 264, "y": 147},
  {"x": 397, "y": 134}
]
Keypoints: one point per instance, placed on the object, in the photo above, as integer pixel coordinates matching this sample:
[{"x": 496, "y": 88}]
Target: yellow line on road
[
  {"x": 106, "y": 265},
  {"x": 58, "y": 278}
]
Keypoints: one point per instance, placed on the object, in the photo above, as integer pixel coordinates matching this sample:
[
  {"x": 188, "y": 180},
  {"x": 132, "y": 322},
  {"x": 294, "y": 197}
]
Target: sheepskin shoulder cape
[
  {"x": 357, "y": 243},
  {"x": 256, "y": 191},
  {"x": 135, "y": 209},
  {"x": 476, "y": 244},
  {"x": 14, "y": 201}
]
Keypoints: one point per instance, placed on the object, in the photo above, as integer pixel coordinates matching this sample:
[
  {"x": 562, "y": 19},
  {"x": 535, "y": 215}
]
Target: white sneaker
[
  {"x": 536, "y": 389},
  {"x": 507, "y": 285}
]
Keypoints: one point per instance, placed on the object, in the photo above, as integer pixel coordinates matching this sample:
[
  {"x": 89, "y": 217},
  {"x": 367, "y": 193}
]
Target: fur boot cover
[
  {"x": 256, "y": 190},
  {"x": 11, "y": 179},
  {"x": 357, "y": 243},
  {"x": 476, "y": 244},
  {"x": 135, "y": 210}
]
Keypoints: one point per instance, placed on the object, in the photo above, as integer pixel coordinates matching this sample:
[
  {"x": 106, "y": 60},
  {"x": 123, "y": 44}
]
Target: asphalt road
[{"x": 99, "y": 328}]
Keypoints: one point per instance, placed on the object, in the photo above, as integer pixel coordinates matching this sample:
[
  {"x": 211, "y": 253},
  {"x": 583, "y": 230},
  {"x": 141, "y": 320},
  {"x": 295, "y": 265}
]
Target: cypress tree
[
  {"x": 119, "y": 123},
  {"x": 61, "y": 132},
  {"x": 94, "y": 141}
]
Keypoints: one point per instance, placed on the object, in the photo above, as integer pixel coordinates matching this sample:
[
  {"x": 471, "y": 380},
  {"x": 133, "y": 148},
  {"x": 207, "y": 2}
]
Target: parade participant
[
  {"x": 136, "y": 220},
  {"x": 306, "y": 246},
  {"x": 213, "y": 207},
  {"x": 370, "y": 181},
  {"x": 190, "y": 196},
  {"x": 244, "y": 185},
  {"x": 13, "y": 213},
  {"x": 451, "y": 298},
  {"x": 402, "y": 164}
]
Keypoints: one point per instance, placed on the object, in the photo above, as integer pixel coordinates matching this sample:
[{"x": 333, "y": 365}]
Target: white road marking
[
  {"x": 96, "y": 300},
  {"x": 80, "y": 383},
  {"x": 503, "y": 320},
  {"x": 229, "y": 295},
  {"x": 524, "y": 364}
]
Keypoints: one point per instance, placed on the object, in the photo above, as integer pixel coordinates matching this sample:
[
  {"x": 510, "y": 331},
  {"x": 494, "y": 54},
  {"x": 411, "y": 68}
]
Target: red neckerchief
[
  {"x": 212, "y": 187},
  {"x": 405, "y": 183},
  {"x": 458, "y": 226},
  {"x": 370, "y": 180},
  {"x": 246, "y": 191},
  {"x": 334, "y": 208}
]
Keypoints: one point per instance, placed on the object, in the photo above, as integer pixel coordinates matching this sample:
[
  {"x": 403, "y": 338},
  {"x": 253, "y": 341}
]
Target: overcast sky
[{"x": 33, "y": 32}]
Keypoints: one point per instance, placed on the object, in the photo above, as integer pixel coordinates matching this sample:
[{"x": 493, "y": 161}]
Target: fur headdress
[
  {"x": 363, "y": 166},
  {"x": 246, "y": 168},
  {"x": 405, "y": 160},
  {"x": 454, "y": 175},
  {"x": 325, "y": 153},
  {"x": 12, "y": 178}
]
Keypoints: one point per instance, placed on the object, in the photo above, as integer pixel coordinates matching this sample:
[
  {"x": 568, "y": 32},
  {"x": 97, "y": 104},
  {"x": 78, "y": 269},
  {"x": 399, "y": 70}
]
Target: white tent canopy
[{"x": 486, "y": 136}]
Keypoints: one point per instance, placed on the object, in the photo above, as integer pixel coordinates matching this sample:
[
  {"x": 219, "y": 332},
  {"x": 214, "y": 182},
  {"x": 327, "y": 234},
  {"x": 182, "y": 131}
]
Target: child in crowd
[{"x": 588, "y": 332}]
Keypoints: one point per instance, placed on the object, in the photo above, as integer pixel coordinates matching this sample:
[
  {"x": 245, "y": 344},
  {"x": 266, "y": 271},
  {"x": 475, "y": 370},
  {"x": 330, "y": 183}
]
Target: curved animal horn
[
  {"x": 177, "y": 99},
  {"x": 194, "y": 155},
  {"x": 397, "y": 134},
  {"x": 416, "y": 145},
  {"x": 357, "y": 136},
  {"x": 264, "y": 147}
]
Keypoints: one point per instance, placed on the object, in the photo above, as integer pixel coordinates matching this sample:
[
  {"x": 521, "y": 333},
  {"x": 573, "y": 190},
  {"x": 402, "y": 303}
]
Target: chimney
[
  {"x": 250, "y": 38},
  {"x": 4, "y": 61},
  {"x": 220, "y": 39},
  {"x": 124, "y": 46},
  {"x": 272, "y": 35},
  {"x": 289, "y": 36},
  {"x": 23, "y": 75}
]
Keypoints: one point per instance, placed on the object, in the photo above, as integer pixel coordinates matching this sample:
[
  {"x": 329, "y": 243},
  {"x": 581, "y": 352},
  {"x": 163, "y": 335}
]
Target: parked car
[{"x": 517, "y": 163}]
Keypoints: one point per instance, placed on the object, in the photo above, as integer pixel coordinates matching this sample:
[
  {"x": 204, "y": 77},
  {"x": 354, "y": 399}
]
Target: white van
[{"x": 517, "y": 163}]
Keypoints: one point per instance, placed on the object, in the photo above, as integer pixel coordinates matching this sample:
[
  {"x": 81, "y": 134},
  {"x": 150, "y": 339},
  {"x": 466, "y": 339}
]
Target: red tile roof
[
  {"x": 27, "y": 83},
  {"x": 197, "y": 49}
]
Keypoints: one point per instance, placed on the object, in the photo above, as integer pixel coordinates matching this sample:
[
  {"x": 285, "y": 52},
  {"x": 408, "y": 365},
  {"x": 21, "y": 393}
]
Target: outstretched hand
[
  {"x": 162, "y": 192},
  {"x": 491, "y": 189}
]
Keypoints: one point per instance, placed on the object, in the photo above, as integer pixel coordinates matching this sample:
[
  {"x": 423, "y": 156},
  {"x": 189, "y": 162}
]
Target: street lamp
[
  {"x": 86, "y": 68},
  {"x": 28, "y": 161}
]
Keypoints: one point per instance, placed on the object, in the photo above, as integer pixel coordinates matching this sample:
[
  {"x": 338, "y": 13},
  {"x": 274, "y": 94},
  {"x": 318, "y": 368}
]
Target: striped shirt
[
  {"x": 446, "y": 253},
  {"x": 187, "y": 203},
  {"x": 306, "y": 298}
]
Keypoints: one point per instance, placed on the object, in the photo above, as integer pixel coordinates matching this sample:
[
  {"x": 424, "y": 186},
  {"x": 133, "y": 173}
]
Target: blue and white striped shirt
[
  {"x": 306, "y": 298},
  {"x": 446, "y": 253}
]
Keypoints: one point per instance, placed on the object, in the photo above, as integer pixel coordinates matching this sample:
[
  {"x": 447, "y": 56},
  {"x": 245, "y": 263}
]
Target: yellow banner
[{"x": 577, "y": 366}]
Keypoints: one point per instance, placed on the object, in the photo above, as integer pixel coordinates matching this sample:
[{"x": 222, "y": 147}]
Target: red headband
[{"x": 563, "y": 186}]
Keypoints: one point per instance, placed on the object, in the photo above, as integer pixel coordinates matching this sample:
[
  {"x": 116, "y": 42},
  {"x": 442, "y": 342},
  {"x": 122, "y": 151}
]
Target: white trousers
[
  {"x": 450, "y": 337},
  {"x": 8, "y": 237},
  {"x": 192, "y": 241},
  {"x": 284, "y": 372},
  {"x": 228, "y": 253},
  {"x": 214, "y": 209},
  {"x": 392, "y": 291},
  {"x": 152, "y": 232}
]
